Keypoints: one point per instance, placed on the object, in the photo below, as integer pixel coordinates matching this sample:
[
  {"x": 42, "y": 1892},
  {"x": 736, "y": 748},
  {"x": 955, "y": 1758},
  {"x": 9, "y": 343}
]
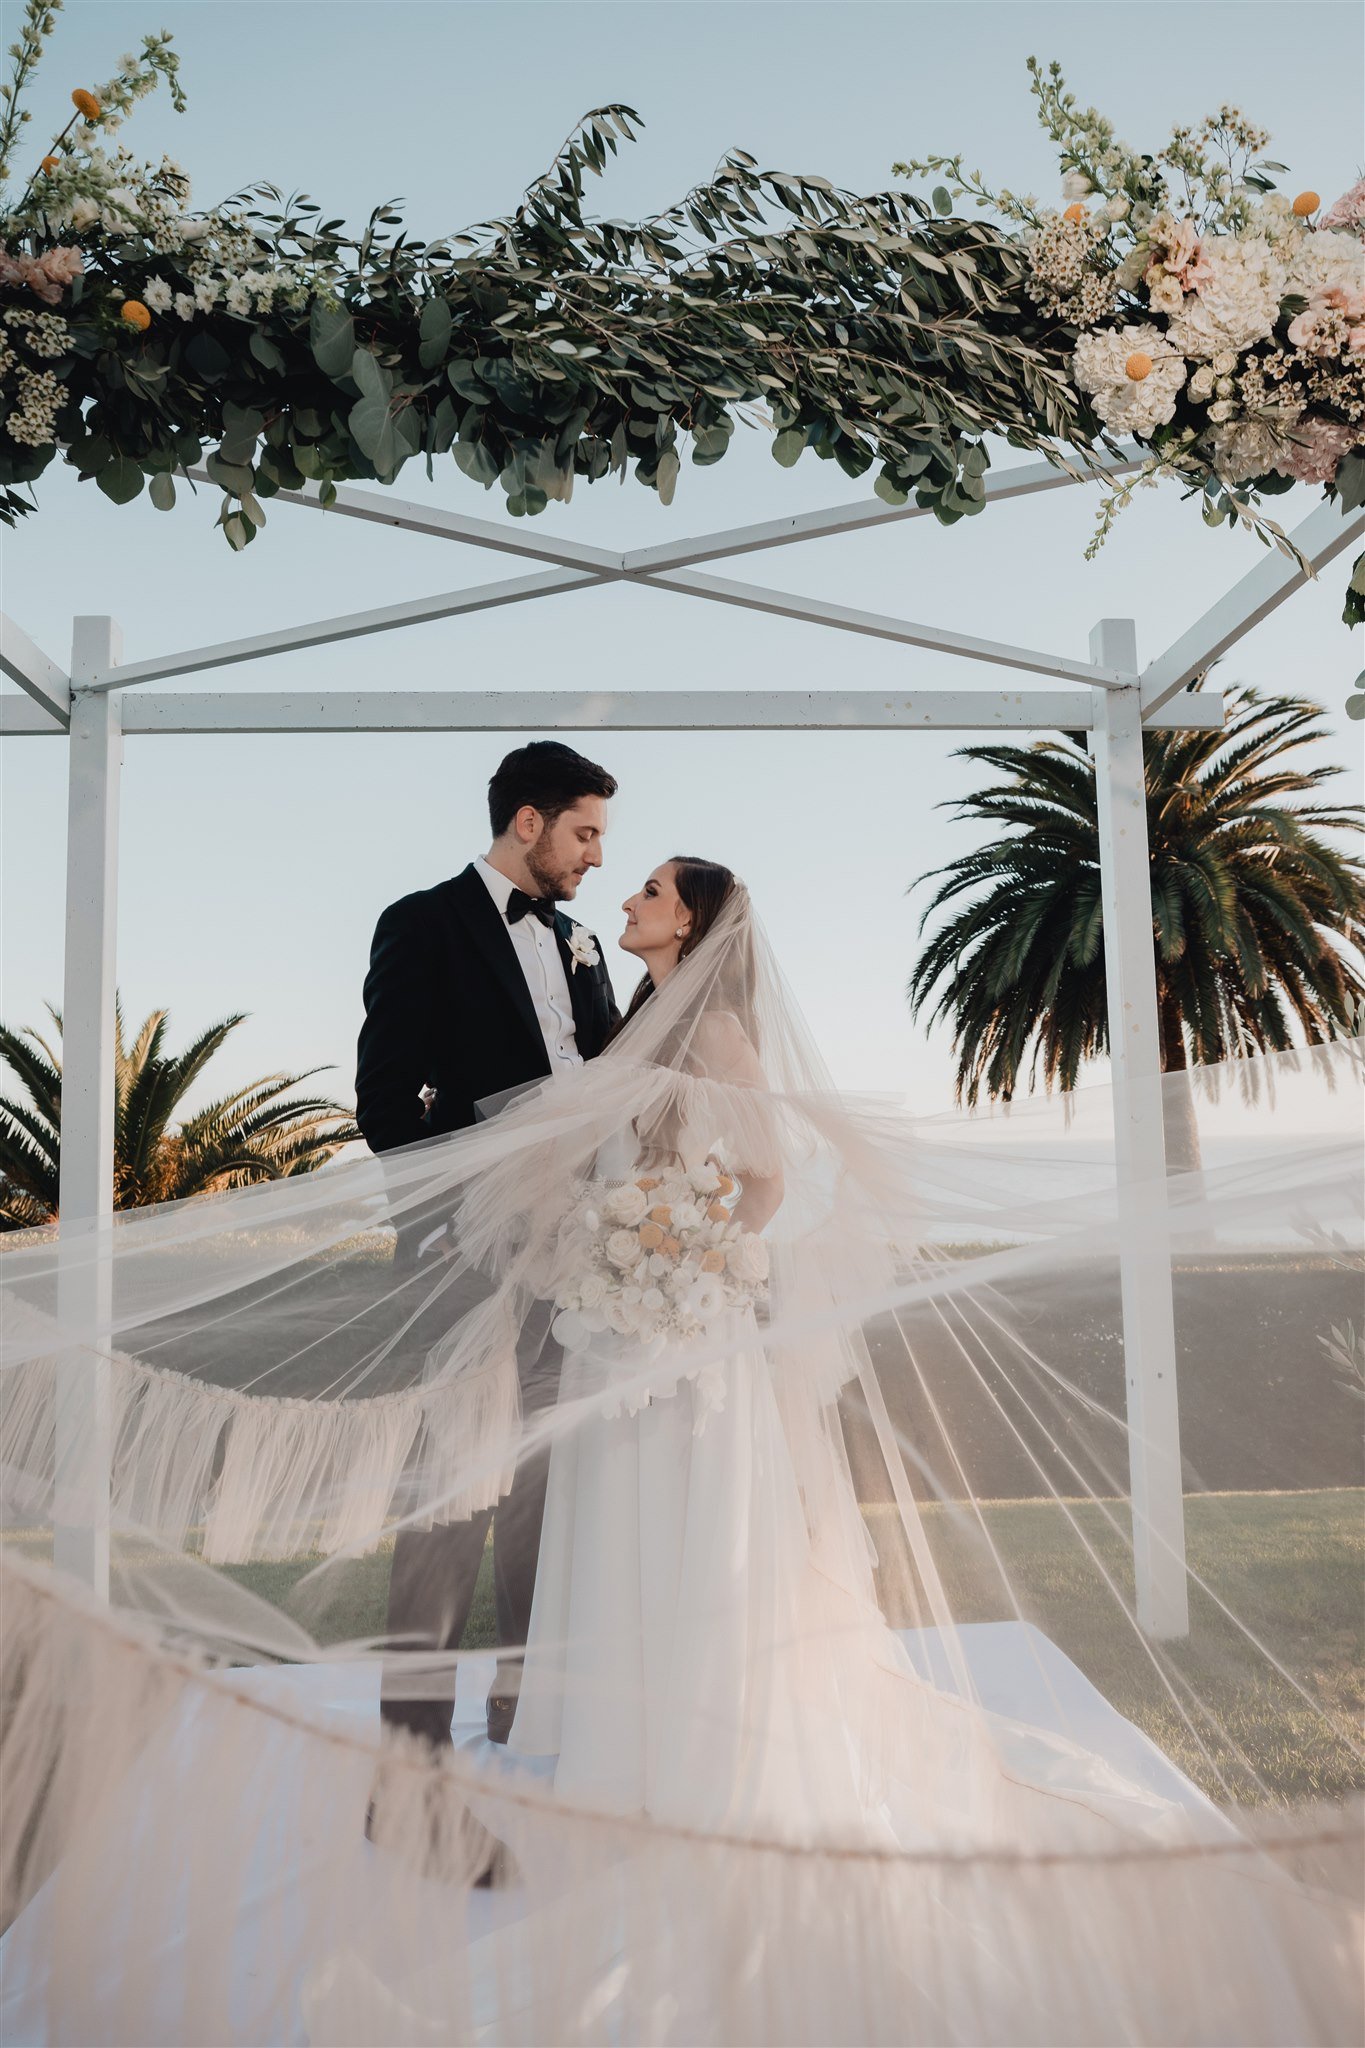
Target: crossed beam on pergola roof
[{"x": 572, "y": 565}]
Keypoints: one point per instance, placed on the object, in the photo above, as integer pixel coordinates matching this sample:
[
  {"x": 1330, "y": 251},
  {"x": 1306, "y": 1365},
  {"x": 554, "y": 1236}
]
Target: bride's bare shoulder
[{"x": 721, "y": 1044}]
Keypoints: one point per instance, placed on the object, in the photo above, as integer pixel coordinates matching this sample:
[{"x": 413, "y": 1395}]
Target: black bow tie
[{"x": 520, "y": 905}]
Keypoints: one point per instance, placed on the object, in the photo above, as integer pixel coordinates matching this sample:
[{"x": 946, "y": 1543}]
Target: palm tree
[
  {"x": 1258, "y": 919},
  {"x": 251, "y": 1134}
]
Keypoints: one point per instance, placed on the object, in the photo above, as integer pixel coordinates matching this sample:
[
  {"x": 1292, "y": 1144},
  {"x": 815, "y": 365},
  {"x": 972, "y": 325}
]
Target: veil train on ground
[{"x": 902, "y": 1670}]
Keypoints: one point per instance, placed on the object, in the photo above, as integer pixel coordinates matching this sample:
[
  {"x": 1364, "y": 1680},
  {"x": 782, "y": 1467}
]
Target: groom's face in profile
[{"x": 562, "y": 852}]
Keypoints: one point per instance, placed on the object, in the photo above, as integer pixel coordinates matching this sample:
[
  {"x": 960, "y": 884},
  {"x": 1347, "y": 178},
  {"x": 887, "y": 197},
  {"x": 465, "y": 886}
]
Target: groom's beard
[{"x": 555, "y": 884}]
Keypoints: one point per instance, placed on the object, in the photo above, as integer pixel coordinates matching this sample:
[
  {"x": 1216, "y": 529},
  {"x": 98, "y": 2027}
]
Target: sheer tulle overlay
[{"x": 904, "y": 1663}]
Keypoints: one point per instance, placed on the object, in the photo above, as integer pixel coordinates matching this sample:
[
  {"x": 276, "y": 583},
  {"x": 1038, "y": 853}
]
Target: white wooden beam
[
  {"x": 35, "y": 672},
  {"x": 157, "y": 713},
  {"x": 349, "y": 626},
  {"x": 1021, "y": 481},
  {"x": 1322, "y": 536},
  {"x": 510, "y": 537},
  {"x": 86, "y": 1183},
  {"x": 1158, "y": 1506},
  {"x": 520, "y": 537},
  {"x": 788, "y": 604}
]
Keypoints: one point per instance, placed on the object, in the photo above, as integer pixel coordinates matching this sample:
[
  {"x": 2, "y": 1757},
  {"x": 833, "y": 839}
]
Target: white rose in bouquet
[
  {"x": 592, "y": 1290},
  {"x": 627, "y": 1204},
  {"x": 623, "y": 1248},
  {"x": 747, "y": 1258}
]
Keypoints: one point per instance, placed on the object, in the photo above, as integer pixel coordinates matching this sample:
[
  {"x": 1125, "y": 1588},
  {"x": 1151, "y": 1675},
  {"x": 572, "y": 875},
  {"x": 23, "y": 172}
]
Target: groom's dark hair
[{"x": 547, "y": 775}]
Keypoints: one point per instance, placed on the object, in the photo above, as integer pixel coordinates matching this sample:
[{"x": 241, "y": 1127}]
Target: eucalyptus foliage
[{"x": 882, "y": 332}]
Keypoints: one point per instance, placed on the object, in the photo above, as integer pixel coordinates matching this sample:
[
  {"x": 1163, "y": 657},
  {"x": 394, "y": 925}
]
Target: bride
[{"x": 705, "y": 1643}]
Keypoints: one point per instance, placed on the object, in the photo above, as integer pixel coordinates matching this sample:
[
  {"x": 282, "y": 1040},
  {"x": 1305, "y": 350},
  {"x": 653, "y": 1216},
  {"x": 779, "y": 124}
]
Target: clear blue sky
[{"x": 253, "y": 867}]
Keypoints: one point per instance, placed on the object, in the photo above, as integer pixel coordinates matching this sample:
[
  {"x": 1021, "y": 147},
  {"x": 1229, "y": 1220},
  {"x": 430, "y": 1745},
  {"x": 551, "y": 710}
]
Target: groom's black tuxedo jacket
[{"x": 447, "y": 1008}]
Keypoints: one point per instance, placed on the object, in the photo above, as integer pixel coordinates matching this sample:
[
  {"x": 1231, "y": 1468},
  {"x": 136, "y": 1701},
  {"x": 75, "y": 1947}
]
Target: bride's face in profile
[{"x": 655, "y": 916}]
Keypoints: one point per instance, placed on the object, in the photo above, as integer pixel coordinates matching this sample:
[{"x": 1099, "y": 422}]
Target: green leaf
[
  {"x": 434, "y": 332},
  {"x": 242, "y": 429},
  {"x": 265, "y": 351},
  {"x": 788, "y": 446},
  {"x": 889, "y": 491},
  {"x": 120, "y": 479},
  {"x": 1350, "y": 481},
  {"x": 942, "y": 199},
  {"x": 1355, "y": 706},
  {"x": 369, "y": 375},
  {"x": 476, "y": 462},
  {"x": 1357, "y": 582},
  {"x": 162, "y": 492},
  {"x": 463, "y": 378},
  {"x": 331, "y": 332},
  {"x": 667, "y": 475},
  {"x": 233, "y": 477}
]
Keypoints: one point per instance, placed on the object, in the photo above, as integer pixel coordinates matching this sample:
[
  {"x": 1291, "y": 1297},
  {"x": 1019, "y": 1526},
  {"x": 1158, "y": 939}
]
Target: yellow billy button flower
[
  {"x": 136, "y": 315},
  {"x": 49, "y": 164},
  {"x": 1306, "y": 203},
  {"x": 1075, "y": 211},
  {"x": 651, "y": 1237},
  {"x": 713, "y": 1262},
  {"x": 1138, "y": 366},
  {"x": 85, "y": 104}
]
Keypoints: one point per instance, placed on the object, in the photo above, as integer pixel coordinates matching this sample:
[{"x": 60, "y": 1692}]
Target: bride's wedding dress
[{"x": 688, "y": 1657}]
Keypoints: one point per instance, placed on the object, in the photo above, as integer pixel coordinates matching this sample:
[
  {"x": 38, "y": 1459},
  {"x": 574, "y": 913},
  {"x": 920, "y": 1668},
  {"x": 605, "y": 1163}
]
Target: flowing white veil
[{"x": 858, "y": 1705}]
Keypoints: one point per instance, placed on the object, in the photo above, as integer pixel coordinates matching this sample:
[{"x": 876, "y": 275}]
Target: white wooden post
[
  {"x": 1158, "y": 1506},
  {"x": 86, "y": 1192}
]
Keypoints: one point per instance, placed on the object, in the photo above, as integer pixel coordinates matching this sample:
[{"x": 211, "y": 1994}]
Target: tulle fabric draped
[{"x": 846, "y": 1713}]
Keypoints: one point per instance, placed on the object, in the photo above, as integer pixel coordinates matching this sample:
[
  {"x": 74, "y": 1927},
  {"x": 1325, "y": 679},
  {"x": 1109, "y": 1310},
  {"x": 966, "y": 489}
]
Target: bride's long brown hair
[{"x": 704, "y": 887}]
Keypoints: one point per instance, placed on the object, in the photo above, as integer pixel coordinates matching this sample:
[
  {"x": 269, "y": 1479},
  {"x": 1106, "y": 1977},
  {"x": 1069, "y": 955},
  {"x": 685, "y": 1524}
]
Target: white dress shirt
[{"x": 537, "y": 951}]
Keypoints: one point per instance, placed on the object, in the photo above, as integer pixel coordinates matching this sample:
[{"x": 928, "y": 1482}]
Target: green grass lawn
[{"x": 1290, "y": 1566}]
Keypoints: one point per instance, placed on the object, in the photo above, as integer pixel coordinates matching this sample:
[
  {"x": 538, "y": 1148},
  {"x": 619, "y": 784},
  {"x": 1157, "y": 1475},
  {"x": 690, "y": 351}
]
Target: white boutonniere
[{"x": 582, "y": 949}]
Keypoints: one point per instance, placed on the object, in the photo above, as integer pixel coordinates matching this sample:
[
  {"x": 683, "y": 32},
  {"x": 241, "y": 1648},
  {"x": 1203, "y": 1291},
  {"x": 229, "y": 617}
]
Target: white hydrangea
[
  {"x": 156, "y": 295},
  {"x": 1252, "y": 447},
  {"x": 1128, "y": 405},
  {"x": 1324, "y": 262},
  {"x": 1238, "y": 305}
]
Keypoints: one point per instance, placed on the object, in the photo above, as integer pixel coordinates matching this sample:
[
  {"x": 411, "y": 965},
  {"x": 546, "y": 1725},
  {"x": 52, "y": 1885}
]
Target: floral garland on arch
[{"x": 1177, "y": 299}]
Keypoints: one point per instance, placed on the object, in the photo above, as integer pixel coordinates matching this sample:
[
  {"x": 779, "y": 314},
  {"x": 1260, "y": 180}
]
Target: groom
[{"x": 472, "y": 989}]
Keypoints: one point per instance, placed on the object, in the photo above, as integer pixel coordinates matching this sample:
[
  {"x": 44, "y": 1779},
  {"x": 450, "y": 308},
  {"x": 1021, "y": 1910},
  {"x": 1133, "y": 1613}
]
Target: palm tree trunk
[{"x": 1181, "y": 1126}]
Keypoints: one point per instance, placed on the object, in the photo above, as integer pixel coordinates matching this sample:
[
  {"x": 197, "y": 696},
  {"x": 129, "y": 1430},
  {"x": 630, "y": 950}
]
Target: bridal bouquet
[{"x": 655, "y": 1258}]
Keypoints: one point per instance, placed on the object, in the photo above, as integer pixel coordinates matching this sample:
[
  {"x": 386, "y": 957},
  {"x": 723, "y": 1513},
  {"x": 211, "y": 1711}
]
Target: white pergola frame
[{"x": 100, "y": 702}]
